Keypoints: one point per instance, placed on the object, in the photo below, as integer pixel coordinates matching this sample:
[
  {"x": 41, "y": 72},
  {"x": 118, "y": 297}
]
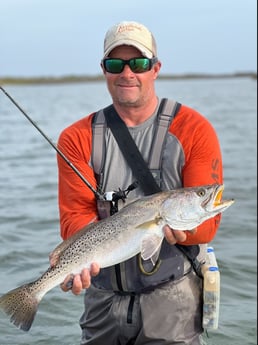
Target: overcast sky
[{"x": 64, "y": 37}]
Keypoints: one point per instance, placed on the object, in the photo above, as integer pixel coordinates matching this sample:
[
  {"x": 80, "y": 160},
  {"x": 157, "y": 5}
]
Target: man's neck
[{"x": 135, "y": 115}]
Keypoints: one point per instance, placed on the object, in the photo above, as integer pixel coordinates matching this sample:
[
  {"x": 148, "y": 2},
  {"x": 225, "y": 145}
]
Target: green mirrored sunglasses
[{"x": 137, "y": 65}]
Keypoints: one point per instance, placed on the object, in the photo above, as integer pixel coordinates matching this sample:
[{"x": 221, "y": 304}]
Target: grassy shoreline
[{"x": 96, "y": 78}]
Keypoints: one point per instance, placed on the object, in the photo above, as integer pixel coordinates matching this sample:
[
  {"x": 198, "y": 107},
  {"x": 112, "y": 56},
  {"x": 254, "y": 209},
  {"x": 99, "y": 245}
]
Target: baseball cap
[{"x": 133, "y": 34}]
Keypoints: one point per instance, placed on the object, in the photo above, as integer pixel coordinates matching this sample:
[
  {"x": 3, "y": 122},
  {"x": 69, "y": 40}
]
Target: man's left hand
[{"x": 173, "y": 236}]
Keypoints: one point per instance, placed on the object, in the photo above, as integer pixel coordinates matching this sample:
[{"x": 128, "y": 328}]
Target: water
[{"x": 29, "y": 227}]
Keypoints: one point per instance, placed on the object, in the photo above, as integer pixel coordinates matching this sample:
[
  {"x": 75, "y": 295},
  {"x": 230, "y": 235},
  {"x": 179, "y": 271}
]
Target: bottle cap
[{"x": 213, "y": 268}]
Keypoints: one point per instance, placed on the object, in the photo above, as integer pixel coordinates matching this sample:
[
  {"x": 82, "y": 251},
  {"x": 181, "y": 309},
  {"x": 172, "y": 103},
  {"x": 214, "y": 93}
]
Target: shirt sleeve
[
  {"x": 203, "y": 162},
  {"x": 77, "y": 203}
]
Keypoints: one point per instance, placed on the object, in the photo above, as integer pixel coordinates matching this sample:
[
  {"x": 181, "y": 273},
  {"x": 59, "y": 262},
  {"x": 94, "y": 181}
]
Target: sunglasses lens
[
  {"x": 139, "y": 65},
  {"x": 113, "y": 65}
]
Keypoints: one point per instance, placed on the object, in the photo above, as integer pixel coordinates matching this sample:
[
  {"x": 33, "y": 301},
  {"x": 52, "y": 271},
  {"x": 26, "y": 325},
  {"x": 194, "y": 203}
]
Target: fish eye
[{"x": 201, "y": 192}]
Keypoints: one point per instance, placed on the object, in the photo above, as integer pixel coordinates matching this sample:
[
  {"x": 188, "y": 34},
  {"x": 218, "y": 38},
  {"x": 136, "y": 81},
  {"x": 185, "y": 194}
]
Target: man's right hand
[{"x": 81, "y": 281}]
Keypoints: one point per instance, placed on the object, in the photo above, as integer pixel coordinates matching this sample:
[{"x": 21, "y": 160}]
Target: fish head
[{"x": 186, "y": 208}]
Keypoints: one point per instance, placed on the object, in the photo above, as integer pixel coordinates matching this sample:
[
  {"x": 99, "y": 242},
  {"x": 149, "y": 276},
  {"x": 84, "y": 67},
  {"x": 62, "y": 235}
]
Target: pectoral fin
[
  {"x": 152, "y": 240},
  {"x": 150, "y": 247}
]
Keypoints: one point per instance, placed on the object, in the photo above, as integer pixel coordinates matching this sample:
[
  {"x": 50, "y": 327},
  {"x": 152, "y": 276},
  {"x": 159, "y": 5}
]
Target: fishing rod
[{"x": 61, "y": 154}]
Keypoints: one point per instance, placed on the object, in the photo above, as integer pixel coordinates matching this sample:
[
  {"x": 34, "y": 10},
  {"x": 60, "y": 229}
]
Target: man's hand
[
  {"x": 81, "y": 281},
  {"x": 174, "y": 236}
]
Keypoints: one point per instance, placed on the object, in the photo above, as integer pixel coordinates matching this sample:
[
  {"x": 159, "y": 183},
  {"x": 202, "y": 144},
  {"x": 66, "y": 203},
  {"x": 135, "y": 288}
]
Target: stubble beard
[{"x": 131, "y": 102}]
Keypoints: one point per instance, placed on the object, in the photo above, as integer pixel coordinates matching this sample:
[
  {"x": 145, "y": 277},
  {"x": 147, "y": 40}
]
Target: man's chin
[{"x": 128, "y": 101}]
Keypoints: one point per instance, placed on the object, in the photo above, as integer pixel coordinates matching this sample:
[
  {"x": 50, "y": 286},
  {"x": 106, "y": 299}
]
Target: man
[{"x": 160, "y": 310}]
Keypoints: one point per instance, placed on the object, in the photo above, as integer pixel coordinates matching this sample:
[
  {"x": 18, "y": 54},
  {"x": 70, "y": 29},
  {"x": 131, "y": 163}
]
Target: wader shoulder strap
[
  {"x": 130, "y": 151},
  {"x": 166, "y": 112},
  {"x": 99, "y": 126}
]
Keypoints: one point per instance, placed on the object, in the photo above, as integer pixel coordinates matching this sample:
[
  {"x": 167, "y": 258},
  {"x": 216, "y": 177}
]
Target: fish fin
[
  {"x": 21, "y": 305},
  {"x": 155, "y": 257},
  {"x": 56, "y": 253},
  {"x": 150, "y": 247}
]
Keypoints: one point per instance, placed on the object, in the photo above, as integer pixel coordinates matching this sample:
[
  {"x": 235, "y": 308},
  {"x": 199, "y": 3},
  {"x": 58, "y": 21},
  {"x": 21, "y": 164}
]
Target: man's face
[{"x": 128, "y": 88}]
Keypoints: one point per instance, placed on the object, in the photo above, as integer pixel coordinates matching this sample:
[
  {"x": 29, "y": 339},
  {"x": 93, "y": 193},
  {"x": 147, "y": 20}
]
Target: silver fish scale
[{"x": 110, "y": 229}]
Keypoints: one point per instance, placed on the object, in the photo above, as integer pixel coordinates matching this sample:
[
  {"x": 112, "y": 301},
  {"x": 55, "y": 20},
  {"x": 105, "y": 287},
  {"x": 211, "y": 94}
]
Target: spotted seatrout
[{"x": 137, "y": 228}]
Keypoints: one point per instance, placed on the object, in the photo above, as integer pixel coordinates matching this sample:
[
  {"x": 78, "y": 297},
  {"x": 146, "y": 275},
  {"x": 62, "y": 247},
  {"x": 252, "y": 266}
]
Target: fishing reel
[{"x": 109, "y": 205}]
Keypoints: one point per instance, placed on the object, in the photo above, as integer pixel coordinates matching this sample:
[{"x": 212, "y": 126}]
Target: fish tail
[{"x": 21, "y": 304}]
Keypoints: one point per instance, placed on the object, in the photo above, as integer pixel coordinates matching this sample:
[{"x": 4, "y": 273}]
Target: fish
[{"x": 136, "y": 228}]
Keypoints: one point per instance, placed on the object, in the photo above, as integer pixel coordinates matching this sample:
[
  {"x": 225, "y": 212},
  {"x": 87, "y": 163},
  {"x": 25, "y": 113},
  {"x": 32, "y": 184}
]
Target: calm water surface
[{"x": 29, "y": 227}]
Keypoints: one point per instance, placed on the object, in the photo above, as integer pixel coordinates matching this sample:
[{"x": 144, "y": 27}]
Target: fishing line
[{"x": 61, "y": 154}]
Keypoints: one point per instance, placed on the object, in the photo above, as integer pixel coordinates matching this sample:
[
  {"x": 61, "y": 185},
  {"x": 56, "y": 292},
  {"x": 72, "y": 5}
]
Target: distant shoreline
[{"x": 96, "y": 78}]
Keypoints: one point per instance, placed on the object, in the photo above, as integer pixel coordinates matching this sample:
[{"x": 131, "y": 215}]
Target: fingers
[
  {"x": 81, "y": 281},
  {"x": 94, "y": 269},
  {"x": 174, "y": 236},
  {"x": 67, "y": 283}
]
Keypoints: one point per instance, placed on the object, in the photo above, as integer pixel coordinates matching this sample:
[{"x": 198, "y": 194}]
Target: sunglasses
[{"x": 137, "y": 65}]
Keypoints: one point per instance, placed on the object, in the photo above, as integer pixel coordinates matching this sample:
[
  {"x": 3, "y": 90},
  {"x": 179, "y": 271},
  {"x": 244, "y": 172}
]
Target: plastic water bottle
[{"x": 211, "y": 291}]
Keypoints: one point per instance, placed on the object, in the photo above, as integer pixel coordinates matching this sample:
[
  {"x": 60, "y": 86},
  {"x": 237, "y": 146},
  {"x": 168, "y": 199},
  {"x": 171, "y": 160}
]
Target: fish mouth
[
  {"x": 218, "y": 196},
  {"x": 218, "y": 203}
]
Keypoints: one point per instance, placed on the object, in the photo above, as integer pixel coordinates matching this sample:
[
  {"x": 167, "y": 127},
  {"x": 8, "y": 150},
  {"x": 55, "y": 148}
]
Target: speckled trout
[{"x": 136, "y": 228}]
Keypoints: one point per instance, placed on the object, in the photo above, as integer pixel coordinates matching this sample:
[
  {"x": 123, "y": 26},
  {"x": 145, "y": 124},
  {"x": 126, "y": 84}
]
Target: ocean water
[{"x": 29, "y": 227}]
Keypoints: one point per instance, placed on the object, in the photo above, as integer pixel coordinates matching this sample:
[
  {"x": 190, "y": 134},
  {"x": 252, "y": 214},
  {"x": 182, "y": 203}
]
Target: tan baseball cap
[{"x": 132, "y": 34}]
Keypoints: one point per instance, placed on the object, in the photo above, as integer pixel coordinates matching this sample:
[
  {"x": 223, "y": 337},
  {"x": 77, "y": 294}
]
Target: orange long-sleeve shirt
[{"x": 202, "y": 165}]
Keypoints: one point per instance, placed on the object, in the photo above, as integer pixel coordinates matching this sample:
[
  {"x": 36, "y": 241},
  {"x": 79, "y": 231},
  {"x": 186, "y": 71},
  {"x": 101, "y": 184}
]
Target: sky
[{"x": 65, "y": 37}]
